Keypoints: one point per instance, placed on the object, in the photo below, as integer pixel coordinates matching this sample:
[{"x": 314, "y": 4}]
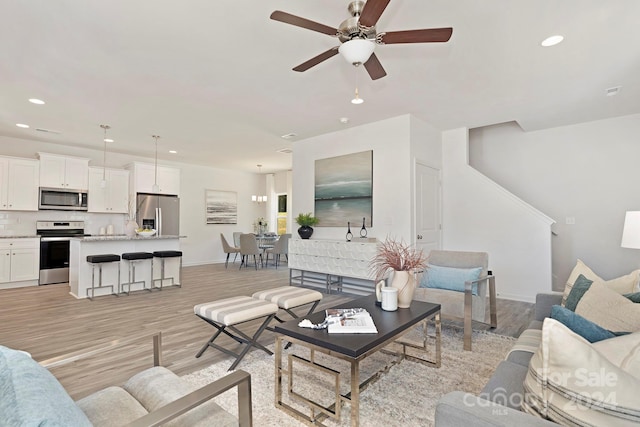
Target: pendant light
[
  {"x": 357, "y": 100},
  {"x": 155, "y": 187},
  {"x": 259, "y": 199},
  {"x": 103, "y": 183}
]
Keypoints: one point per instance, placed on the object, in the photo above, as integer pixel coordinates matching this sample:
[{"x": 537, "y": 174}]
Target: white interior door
[{"x": 428, "y": 210}]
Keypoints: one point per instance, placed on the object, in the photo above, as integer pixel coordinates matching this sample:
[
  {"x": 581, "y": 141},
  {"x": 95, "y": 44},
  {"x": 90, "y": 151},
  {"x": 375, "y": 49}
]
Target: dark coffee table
[{"x": 352, "y": 348}]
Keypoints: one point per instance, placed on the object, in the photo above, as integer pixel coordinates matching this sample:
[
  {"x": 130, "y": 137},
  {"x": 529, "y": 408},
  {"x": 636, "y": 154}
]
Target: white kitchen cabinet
[
  {"x": 114, "y": 197},
  {"x": 143, "y": 176},
  {"x": 20, "y": 260},
  {"x": 63, "y": 172},
  {"x": 18, "y": 184}
]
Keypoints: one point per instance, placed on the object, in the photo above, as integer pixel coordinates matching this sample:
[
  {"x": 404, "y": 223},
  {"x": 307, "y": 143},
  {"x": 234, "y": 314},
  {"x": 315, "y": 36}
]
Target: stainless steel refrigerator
[{"x": 159, "y": 212}]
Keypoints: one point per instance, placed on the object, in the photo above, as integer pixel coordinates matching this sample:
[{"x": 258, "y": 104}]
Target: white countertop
[
  {"x": 124, "y": 237},
  {"x": 20, "y": 237}
]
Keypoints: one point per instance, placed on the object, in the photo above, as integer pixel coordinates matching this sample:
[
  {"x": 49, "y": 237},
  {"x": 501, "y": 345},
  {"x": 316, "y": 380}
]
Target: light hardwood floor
[{"x": 47, "y": 322}]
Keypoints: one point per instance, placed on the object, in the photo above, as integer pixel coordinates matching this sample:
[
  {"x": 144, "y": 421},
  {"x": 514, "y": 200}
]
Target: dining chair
[
  {"x": 281, "y": 247},
  {"x": 236, "y": 238},
  {"x": 248, "y": 247},
  {"x": 228, "y": 249}
]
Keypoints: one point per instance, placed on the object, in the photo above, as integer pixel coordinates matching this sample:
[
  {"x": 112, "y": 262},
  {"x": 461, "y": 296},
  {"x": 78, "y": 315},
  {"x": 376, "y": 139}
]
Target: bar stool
[
  {"x": 98, "y": 261},
  {"x": 163, "y": 255},
  {"x": 135, "y": 258}
]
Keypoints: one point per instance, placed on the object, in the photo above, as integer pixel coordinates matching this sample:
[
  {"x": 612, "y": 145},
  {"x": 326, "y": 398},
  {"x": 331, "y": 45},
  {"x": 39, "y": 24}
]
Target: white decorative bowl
[{"x": 146, "y": 233}]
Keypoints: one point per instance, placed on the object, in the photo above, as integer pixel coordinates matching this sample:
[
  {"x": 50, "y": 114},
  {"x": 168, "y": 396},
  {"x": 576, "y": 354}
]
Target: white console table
[{"x": 329, "y": 262}]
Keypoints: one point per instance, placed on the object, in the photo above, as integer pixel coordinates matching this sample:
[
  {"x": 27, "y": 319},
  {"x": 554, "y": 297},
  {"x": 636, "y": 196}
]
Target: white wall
[
  {"x": 202, "y": 244},
  {"x": 392, "y": 175},
  {"x": 588, "y": 172},
  {"x": 479, "y": 215}
]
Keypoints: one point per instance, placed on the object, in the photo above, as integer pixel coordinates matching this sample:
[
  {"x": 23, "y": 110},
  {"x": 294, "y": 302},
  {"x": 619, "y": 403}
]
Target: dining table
[{"x": 266, "y": 241}]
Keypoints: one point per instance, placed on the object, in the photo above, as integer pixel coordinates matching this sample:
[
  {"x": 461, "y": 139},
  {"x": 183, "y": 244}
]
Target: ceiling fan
[{"x": 359, "y": 36}]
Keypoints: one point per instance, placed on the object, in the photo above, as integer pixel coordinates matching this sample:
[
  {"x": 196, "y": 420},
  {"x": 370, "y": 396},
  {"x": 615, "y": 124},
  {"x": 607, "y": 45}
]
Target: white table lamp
[{"x": 631, "y": 231}]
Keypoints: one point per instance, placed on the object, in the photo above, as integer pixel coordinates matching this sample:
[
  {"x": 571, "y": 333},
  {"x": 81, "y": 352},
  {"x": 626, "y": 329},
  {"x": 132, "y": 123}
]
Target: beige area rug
[{"x": 406, "y": 395}]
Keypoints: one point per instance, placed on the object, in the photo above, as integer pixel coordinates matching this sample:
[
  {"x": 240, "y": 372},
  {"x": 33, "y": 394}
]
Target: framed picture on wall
[
  {"x": 221, "y": 207},
  {"x": 344, "y": 190}
]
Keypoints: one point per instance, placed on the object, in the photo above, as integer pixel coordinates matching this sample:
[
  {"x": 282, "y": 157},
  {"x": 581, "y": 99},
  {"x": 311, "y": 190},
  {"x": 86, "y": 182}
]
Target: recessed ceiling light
[
  {"x": 612, "y": 91},
  {"x": 552, "y": 41},
  {"x": 344, "y": 120},
  {"x": 285, "y": 151},
  {"x": 23, "y": 126},
  {"x": 173, "y": 151},
  {"x": 289, "y": 135},
  {"x": 108, "y": 140},
  {"x": 36, "y": 101}
]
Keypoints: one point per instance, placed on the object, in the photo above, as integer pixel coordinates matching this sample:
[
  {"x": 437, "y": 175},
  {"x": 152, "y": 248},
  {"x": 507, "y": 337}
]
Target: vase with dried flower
[{"x": 404, "y": 262}]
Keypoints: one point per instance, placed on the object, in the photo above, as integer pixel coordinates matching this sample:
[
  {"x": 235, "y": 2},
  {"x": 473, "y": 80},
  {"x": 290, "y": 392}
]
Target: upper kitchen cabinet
[
  {"x": 114, "y": 196},
  {"x": 58, "y": 171},
  {"x": 18, "y": 184},
  {"x": 143, "y": 177}
]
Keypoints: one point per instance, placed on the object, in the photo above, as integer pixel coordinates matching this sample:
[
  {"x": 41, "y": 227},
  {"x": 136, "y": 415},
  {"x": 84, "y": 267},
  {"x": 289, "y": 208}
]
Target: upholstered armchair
[{"x": 460, "y": 282}]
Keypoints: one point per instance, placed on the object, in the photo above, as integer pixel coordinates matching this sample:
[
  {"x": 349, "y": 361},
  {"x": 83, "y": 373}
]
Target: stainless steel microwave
[{"x": 62, "y": 199}]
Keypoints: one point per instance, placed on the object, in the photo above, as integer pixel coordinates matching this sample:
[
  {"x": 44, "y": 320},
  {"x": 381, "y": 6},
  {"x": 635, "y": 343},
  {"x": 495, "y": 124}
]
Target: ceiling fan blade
[
  {"x": 432, "y": 35},
  {"x": 287, "y": 18},
  {"x": 372, "y": 11},
  {"x": 374, "y": 68},
  {"x": 317, "y": 59}
]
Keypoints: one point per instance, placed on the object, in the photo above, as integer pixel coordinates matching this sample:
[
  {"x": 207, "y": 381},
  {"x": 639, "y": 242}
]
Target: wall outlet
[{"x": 570, "y": 220}]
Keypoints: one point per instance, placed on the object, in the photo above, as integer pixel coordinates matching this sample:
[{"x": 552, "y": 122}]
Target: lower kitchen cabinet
[{"x": 19, "y": 261}]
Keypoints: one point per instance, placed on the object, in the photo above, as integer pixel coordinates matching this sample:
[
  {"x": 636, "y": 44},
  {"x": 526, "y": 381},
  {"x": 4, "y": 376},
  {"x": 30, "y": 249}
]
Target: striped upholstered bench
[
  {"x": 226, "y": 313},
  {"x": 289, "y": 297}
]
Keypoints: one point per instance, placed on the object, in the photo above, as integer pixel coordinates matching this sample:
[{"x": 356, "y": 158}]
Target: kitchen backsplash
[{"x": 16, "y": 223}]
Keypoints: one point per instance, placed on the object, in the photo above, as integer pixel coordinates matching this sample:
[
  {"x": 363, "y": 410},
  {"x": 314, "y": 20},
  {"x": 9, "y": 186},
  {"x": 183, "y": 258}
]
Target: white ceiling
[{"x": 213, "y": 78}]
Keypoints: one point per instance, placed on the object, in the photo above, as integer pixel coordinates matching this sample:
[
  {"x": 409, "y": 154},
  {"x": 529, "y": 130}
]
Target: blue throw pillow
[
  {"x": 450, "y": 278},
  {"x": 635, "y": 297},
  {"x": 580, "y": 287},
  {"x": 581, "y": 326},
  {"x": 31, "y": 396}
]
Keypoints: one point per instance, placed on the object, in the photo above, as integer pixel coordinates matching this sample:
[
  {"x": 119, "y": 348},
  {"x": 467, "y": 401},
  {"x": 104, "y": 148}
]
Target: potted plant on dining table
[{"x": 306, "y": 221}]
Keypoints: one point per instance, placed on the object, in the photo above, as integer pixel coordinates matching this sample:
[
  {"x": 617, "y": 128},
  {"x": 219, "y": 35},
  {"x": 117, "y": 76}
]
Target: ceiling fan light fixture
[
  {"x": 357, "y": 51},
  {"x": 357, "y": 100}
]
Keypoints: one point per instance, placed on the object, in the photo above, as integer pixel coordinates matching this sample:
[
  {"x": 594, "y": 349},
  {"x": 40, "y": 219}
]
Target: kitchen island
[{"x": 80, "y": 270}]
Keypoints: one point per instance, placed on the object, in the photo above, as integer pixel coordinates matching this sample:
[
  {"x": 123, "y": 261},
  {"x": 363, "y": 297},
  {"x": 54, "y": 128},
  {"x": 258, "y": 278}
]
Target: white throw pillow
[
  {"x": 572, "y": 382},
  {"x": 609, "y": 309},
  {"x": 621, "y": 285}
]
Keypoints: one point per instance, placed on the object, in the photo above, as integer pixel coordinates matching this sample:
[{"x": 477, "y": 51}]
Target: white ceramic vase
[
  {"x": 405, "y": 282},
  {"x": 130, "y": 228}
]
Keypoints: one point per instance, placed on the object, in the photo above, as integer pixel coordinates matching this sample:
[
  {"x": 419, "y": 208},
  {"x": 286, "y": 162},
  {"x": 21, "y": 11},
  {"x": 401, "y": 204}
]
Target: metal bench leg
[
  {"x": 242, "y": 338},
  {"x": 253, "y": 342}
]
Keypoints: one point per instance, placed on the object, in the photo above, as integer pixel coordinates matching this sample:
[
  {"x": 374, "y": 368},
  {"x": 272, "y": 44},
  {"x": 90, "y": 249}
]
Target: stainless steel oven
[{"x": 55, "y": 237}]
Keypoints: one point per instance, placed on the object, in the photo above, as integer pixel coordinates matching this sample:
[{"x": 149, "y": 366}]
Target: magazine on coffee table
[{"x": 350, "y": 321}]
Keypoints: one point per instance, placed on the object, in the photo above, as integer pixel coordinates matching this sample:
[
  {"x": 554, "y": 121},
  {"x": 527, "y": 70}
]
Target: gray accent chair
[
  {"x": 152, "y": 397},
  {"x": 464, "y": 305},
  {"x": 228, "y": 249}
]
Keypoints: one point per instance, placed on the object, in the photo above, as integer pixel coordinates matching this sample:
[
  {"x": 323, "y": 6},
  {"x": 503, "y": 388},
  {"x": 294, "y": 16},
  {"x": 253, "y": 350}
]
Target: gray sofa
[
  {"x": 499, "y": 402},
  {"x": 30, "y": 395}
]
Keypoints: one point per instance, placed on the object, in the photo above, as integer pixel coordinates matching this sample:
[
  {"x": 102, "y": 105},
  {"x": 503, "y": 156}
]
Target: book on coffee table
[{"x": 350, "y": 321}]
